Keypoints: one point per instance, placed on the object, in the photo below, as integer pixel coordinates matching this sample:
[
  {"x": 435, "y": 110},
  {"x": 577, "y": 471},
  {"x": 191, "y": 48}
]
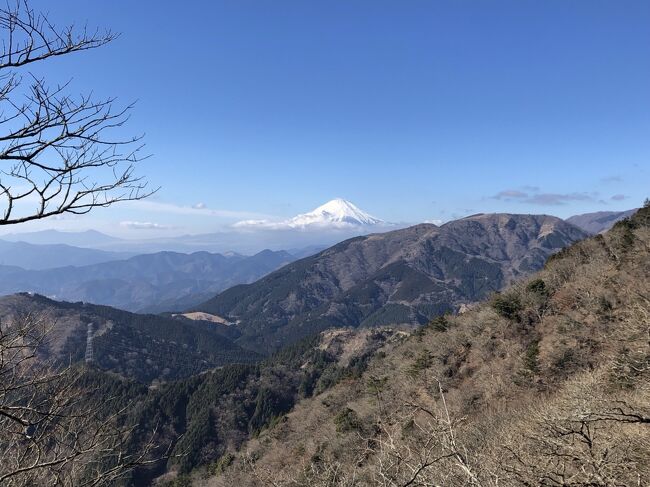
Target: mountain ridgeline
[
  {"x": 163, "y": 281},
  {"x": 48, "y": 256},
  {"x": 405, "y": 276},
  {"x": 600, "y": 221}
]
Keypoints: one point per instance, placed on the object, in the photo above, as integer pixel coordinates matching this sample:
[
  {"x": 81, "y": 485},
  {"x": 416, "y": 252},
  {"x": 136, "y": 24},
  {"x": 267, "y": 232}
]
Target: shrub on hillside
[
  {"x": 423, "y": 361},
  {"x": 507, "y": 305},
  {"x": 439, "y": 323},
  {"x": 347, "y": 420},
  {"x": 538, "y": 287}
]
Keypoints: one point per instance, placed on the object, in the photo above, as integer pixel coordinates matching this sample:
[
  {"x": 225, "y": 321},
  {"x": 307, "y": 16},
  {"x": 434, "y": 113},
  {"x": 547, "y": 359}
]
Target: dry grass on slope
[{"x": 547, "y": 384}]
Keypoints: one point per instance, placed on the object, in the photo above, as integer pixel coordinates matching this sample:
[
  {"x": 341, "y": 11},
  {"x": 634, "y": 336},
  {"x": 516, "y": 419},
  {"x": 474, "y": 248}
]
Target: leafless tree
[
  {"x": 57, "y": 152},
  {"x": 54, "y": 428},
  {"x": 418, "y": 445}
]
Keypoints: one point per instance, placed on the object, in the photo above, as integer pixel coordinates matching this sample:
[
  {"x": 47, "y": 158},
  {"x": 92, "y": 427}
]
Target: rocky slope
[{"x": 403, "y": 276}]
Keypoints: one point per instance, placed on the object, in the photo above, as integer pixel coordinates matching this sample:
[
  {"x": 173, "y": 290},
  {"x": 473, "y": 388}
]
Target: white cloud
[
  {"x": 509, "y": 194},
  {"x": 291, "y": 225},
  {"x": 144, "y": 225},
  {"x": 199, "y": 206}
]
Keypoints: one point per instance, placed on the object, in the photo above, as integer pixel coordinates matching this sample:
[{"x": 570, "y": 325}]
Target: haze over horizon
[
  {"x": 322, "y": 226},
  {"x": 418, "y": 112}
]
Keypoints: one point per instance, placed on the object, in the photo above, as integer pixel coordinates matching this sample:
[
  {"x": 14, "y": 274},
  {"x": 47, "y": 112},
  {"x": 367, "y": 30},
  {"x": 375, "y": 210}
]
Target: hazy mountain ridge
[
  {"x": 48, "y": 256},
  {"x": 165, "y": 281},
  {"x": 403, "y": 276},
  {"x": 322, "y": 227},
  {"x": 599, "y": 221},
  {"x": 85, "y": 239}
]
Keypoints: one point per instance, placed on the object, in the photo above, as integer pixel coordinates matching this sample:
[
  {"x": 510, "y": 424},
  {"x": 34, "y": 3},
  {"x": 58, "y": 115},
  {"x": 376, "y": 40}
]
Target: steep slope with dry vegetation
[{"x": 546, "y": 384}]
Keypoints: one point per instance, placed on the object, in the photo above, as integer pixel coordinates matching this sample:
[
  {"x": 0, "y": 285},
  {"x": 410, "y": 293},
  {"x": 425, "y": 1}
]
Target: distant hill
[
  {"x": 403, "y": 276},
  {"x": 142, "y": 347},
  {"x": 88, "y": 238},
  {"x": 600, "y": 221},
  {"x": 164, "y": 281},
  {"x": 48, "y": 256}
]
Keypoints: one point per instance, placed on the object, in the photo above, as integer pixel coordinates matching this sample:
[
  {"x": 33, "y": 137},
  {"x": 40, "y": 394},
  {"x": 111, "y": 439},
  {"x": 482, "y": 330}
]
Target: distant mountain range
[
  {"x": 88, "y": 238},
  {"x": 172, "y": 281},
  {"x": 330, "y": 223},
  {"x": 164, "y": 281},
  {"x": 600, "y": 221},
  {"x": 546, "y": 385},
  {"x": 38, "y": 257},
  {"x": 403, "y": 276}
]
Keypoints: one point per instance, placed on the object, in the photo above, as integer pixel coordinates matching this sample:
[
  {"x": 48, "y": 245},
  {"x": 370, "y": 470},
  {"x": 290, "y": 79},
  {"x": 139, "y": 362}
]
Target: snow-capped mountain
[{"x": 337, "y": 213}]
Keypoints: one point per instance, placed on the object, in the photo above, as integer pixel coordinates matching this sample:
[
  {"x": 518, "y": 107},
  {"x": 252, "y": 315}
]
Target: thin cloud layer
[
  {"x": 199, "y": 209},
  {"x": 542, "y": 199},
  {"x": 144, "y": 225}
]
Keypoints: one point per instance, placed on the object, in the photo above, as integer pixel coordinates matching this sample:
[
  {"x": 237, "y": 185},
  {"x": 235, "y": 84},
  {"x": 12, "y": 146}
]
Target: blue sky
[{"x": 413, "y": 110}]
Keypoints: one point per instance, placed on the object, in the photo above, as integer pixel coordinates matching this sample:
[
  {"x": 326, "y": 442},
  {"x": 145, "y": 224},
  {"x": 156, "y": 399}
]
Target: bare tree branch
[{"x": 57, "y": 154}]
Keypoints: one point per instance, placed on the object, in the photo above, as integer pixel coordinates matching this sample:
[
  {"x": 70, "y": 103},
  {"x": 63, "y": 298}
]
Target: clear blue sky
[{"x": 413, "y": 110}]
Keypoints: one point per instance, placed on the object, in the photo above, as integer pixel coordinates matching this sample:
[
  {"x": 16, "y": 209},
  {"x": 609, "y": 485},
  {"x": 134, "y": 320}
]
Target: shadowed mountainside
[{"x": 141, "y": 347}]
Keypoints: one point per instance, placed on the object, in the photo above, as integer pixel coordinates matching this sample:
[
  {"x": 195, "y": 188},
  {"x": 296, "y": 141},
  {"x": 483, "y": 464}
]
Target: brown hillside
[{"x": 546, "y": 384}]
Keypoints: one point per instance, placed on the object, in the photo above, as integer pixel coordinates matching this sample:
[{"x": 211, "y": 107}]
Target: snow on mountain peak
[{"x": 337, "y": 213}]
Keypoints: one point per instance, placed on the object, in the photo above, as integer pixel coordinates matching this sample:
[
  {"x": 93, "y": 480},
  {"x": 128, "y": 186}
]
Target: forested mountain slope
[
  {"x": 202, "y": 418},
  {"x": 547, "y": 383},
  {"x": 138, "y": 346},
  {"x": 403, "y": 276}
]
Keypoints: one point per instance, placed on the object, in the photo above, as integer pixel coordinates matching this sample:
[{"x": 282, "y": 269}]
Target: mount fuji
[
  {"x": 335, "y": 214},
  {"x": 333, "y": 222}
]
